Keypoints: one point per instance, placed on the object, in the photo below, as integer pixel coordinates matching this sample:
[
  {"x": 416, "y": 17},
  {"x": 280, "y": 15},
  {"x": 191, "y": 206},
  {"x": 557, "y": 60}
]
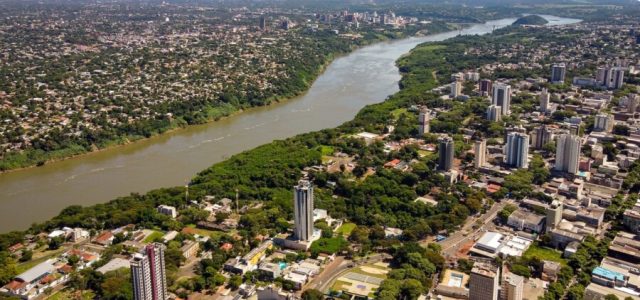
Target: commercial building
[
  {"x": 483, "y": 284},
  {"x": 494, "y": 113},
  {"x": 148, "y": 274},
  {"x": 568, "y": 153},
  {"x": 526, "y": 221},
  {"x": 502, "y": 97},
  {"x": 512, "y": 287},
  {"x": 480, "y": 149},
  {"x": 558, "y": 72},
  {"x": 517, "y": 150},
  {"x": 303, "y": 210},
  {"x": 445, "y": 153}
]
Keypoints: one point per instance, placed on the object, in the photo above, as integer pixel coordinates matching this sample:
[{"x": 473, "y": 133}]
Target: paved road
[{"x": 451, "y": 245}]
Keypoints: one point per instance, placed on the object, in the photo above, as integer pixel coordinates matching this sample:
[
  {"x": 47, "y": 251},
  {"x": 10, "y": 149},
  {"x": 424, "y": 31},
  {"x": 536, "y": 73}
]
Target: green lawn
[
  {"x": 32, "y": 263},
  {"x": 329, "y": 245},
  {"x": 153, "y": 236},
  {"x": 544, "y": 253},
  {"x": 204, "y": 232},
  {"x": 327, "y": 150},
  {"x": 346, "y": 229},
  {"x": 340, "y": 285},
  {"x": 68, "y": 294},
  {"x": 398, "y": 112}
]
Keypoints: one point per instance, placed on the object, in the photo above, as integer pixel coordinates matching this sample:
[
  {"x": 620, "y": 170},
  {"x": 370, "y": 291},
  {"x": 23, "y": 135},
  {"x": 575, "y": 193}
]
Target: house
[
  {"x": 226, "y": 247},
  {"x": 190, "y": 249},
  {"x": 34, "y": 281},
  {"x": 105, "y": 238},
  {"x": 86, "y": 258}
]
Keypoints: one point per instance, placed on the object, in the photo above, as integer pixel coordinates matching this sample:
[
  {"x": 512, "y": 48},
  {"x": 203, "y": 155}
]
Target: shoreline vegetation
[{"x": 31, "y": 158}]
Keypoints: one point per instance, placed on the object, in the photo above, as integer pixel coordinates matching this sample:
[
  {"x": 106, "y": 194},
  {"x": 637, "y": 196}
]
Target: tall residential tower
[
  {"x": 303, "y": 210},
  {"x": 148, "y": 274}
]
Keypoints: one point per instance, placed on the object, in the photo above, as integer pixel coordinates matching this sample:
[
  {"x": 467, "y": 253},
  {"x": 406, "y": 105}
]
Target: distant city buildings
[
  {"x": 148, "y": 274},
  {"x": 516, "y": 150},
  {"x": 558, "y": 72},
  {"x": 541, "y": 136},
  {"x": 544, "y": 101},
  {"x": 456, "y": 89},
  {"x": 485, "y": 87},
  {"x": 494, "y": 113},
  {"x": 603, "y": 123},
  {"x": 502, "y": 97}
]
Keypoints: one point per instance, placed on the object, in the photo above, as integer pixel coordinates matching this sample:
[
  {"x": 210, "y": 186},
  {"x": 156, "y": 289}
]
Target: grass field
[
  {"x": 327, "y": 150},
  {"x": 68, "y": 294},
  {"x": 346, "y": 229},
  {"x": 153, "y": 236},
  {"x": 329, "y": 245},
  {"x": 340, "y": 285},
  {"x": 544, "y": 253},
  {"x": 191, "y": 229},
  {"x": 398, "y": 112}
]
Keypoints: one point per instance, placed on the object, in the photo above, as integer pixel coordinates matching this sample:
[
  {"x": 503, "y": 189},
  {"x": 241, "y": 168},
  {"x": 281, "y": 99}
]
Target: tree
[
  {"x": 26, "y": 255},
  {"x": 55, "y": 243},
  {"x": 7, "y": 267},
  {"x": 117, "y": 286},
  {"x": 234, "y": 282},
  {"x": 506, "y": 212},
  {"x": 411, "y": 289},
  {"x": 72, "y": 260},
  {"x": 611, "y": 297},
  {"x": 576, "y": 292},
  {"x": 312, "y": 294}
]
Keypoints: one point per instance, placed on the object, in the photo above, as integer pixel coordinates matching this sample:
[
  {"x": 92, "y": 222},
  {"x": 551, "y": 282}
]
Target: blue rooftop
[{"x": 608, "y": 274}]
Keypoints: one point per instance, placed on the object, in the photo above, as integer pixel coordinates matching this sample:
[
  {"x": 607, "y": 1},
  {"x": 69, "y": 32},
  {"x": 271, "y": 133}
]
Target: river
[{"x": 365, "y": 76}]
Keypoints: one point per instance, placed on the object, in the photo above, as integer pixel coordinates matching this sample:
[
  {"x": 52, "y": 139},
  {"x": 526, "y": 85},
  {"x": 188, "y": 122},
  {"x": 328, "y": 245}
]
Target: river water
[{"x": 366, "y": 76}]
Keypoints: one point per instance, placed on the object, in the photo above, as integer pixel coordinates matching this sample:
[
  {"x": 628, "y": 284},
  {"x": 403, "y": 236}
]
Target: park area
[{"x": 361, "y": 281}]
